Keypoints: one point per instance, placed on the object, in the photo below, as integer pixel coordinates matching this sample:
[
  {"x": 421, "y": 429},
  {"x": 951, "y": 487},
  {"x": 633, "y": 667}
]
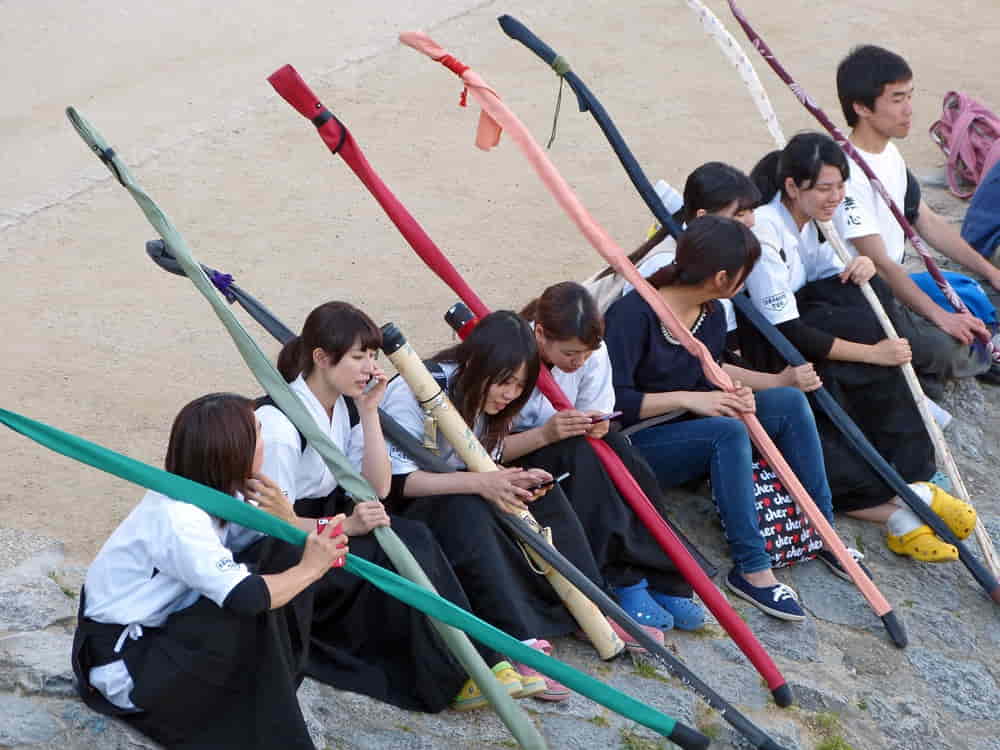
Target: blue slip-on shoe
[
  {"x": 687, "y": 613},
  {"x": 837, "y": 569},
  {"x": 778, "y": 600},
  {"x": 641, "y": 607}
]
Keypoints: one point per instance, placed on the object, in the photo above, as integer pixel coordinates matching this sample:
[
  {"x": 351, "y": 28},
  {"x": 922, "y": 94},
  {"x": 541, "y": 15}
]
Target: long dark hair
[
  {"x": 567, "y": 311},
  {"x": 495, "y": 350},
  {"x": 710, "y": 244},
  {"x": 709, "y": 188},
  {"x": 333, "y": 327},
  {"x": 801, "y": 159},
  {"x": 212, "y": 441}
]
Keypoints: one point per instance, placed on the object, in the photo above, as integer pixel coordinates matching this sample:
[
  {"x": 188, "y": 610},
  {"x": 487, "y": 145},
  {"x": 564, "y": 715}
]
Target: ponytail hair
[
  {"x": 497, "y": 347},
  {"x": 567, "y": 311},
  {"x": 710, "y": 244},
  {"x": 334, "y": 327},
  {"x": 801, "y": 159}
]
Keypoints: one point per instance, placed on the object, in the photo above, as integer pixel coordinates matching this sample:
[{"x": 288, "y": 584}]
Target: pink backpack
[{"x": 969, "y": 135}]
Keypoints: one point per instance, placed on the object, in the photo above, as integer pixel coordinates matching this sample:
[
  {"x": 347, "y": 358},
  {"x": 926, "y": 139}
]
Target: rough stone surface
[
  {"x": 22, "y": 722},
  {"x": 33, "y": 604},
  {"x": 967, "y": 688},
  {"x": 36, "y": 662}
]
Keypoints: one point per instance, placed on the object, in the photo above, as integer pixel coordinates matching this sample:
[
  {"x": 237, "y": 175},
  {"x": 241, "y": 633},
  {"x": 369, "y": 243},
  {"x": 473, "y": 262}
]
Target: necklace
[{"x": 694, "y": 328}]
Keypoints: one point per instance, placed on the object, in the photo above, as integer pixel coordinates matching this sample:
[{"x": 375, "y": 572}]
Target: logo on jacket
[{"x": 776, "y": 302}]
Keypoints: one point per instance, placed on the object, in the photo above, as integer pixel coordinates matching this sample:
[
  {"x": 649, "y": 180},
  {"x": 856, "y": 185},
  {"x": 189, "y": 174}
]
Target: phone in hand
[
  {"x": 605, "y": 417},
  {"x": 321, "y": 527},
  {"x": 549, "y": 483}
]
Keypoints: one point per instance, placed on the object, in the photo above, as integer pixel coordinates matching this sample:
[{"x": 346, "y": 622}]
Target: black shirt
[{"x": 644, "y": 361}]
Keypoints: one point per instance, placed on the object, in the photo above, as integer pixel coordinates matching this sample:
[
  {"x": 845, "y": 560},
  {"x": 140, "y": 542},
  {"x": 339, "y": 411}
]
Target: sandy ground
[{"x": 99, "y": 342}]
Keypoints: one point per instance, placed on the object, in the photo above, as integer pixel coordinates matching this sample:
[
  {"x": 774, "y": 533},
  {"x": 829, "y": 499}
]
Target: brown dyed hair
[
  {"x": 567, "y": 311},
  {"x": 333, "y": 327},
  {"x": 710, "y": 244},
  {"x": 212, "y": 441},
  {"x": 496, "y": 348}
]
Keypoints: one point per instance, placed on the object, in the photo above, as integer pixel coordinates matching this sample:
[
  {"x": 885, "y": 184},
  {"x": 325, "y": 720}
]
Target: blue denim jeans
[{"x": 721, "y": 447}]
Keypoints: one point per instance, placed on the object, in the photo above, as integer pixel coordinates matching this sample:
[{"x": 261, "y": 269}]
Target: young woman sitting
[
  {"x": 653, "y": 374},
  {"x": 569, "y": 332},
  {"x": 802, "y": 287},
  {"x": 403, "y": 661},
  {"x": 488, "y": 378},
  {"x": 190, "y": 645}
]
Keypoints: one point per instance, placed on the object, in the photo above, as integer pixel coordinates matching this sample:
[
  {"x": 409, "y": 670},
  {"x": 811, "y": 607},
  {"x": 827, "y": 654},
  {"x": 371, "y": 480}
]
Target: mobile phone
[
  {"x": 549, "y": 483},
  {"x": 321, "y": 526},
  {"x": 373, "y": 381},
  {"x": 605, "y": 417}
]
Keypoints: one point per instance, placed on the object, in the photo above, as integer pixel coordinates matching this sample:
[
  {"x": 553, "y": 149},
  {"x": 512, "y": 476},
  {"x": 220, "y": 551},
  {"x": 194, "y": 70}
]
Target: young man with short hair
[{"x": 875, "y": 87}]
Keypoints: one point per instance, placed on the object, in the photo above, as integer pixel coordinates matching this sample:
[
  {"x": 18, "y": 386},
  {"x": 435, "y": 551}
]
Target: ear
[
  {"x": 320, "y": 358},
  {"x": 791, "y": 189},
  {"x": 861, "y": 110},
  {"x": 721, "y": 280}
]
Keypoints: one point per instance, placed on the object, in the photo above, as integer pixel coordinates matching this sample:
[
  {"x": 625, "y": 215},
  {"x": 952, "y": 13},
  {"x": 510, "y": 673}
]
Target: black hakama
[
  {"x": 209, "y": 678},
  {"x": 875, "y": 397},
  {"x": 621, "y": 544},
  {"x": 501, "y": 585},
  {"x": 365, "y": 641}
]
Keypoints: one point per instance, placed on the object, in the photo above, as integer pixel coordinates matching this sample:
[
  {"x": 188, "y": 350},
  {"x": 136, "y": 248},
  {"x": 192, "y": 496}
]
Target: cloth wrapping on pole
[
  {"x": 228, "y": 508},
  {"x": 293, "y": 89},
  {"x": 589, "y": 102},
  {"x": 286, "y": 400},
  {"x": 732, "y": 50}
]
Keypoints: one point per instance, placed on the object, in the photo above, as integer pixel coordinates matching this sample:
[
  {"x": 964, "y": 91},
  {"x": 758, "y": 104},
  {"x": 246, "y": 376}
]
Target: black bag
[{"x": 789, "y": 536}]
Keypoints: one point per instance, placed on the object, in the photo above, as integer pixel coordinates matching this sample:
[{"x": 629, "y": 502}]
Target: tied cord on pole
[
  {"x": 223, "y": 282},
  {"x": 457, "y": 67},
  {"x": 561, "y": 66}
]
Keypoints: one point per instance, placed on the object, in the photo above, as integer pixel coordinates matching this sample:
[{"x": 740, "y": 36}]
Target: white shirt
[
  {"x": 867, "y": 213},
  {"x": 790, "y": 258},
  {"x": 301, "y": 474},
  {"x": 400, "y": 404},
  {"x": 162, "y": 557},
  {"x": 660, "y": 257},
  {"x": 589, "y": 389}
]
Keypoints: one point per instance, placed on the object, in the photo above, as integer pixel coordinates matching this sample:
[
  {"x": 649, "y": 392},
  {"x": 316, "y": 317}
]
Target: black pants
[
  {"x": 620, "y": 542},
  {"x": 501, "y": 585},
  {"x": 208, "y": 678}
]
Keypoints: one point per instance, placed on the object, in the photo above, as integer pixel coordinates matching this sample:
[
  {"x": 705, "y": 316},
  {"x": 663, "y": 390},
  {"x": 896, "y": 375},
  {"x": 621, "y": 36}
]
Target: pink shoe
[
  {"x": 631, "y": 644},
  {"x": 554, "y": 691}
]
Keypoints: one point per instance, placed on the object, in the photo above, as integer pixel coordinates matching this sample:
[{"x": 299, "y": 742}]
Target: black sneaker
[
  {"x": 778, "y": 601},
  {"x": 837, "y": 569}
]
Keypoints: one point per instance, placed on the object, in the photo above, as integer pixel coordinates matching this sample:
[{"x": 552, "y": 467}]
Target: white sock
[
  {"x": 922, "y": 491},
  {"x": 904, "y": 520},
  {"x": 941, "y": 415}
]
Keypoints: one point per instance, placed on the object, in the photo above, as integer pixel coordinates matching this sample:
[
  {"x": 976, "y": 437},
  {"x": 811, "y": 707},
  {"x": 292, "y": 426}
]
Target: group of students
[{"x": 178, "y": 603}]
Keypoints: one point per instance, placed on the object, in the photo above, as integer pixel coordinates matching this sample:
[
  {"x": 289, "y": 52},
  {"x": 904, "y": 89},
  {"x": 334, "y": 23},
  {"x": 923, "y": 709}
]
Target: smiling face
[
  {"x": 350, "y": 375},
  {"x": 892, "y": 115},
  {"x": 820, "y": 200},
  {"x": 498, "y": 395},
  {"x": 568, "y": 356}
]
